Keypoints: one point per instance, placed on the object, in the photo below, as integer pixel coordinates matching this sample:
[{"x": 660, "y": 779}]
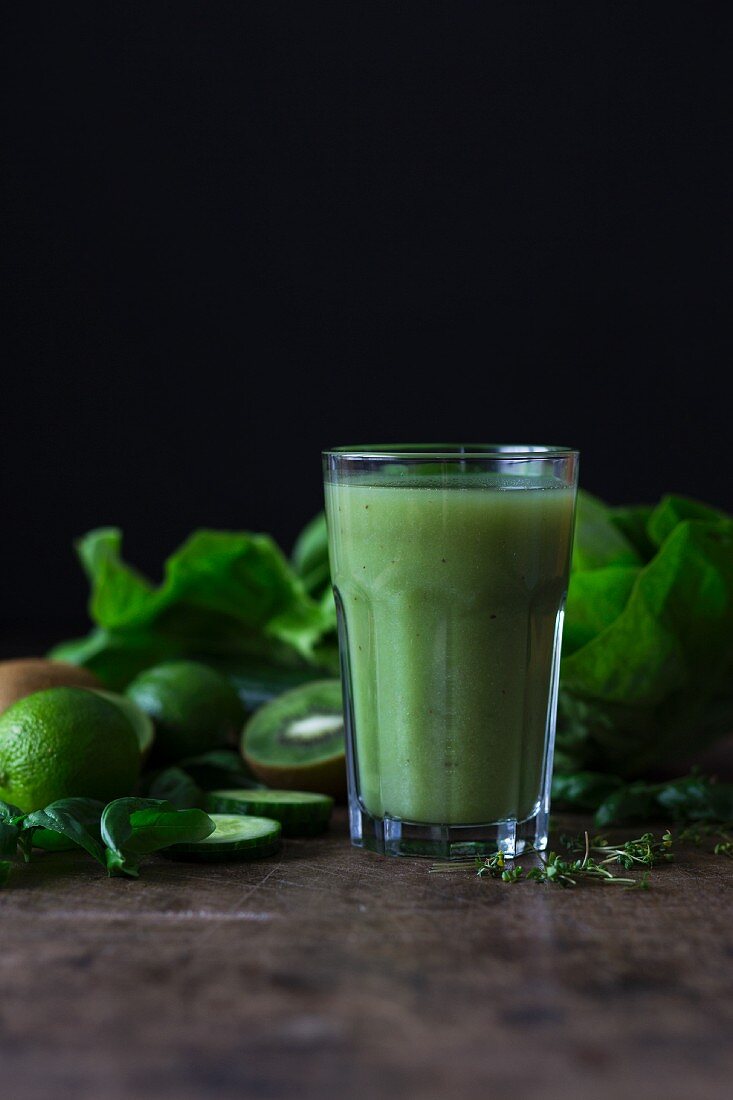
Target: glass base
[{"x": 390, "y": 836}]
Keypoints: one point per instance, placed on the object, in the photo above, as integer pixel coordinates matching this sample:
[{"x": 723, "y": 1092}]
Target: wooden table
[{"x": 328, "y": 971}]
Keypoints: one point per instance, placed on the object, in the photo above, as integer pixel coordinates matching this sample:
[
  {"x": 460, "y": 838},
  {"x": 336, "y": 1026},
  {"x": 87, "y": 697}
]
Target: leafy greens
[
  {"x": 647, "y": 670},
  {"x": 117, "y": 835},
  {"x": 224, "y": 595},
  {"x": 648, "y": 649}
]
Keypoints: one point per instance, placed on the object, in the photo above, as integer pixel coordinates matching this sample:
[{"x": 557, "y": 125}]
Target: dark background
[{"x": 237, "y": 233}]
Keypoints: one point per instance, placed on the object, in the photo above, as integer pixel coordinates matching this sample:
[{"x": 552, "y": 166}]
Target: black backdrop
[{"x": 238, "y": 232}]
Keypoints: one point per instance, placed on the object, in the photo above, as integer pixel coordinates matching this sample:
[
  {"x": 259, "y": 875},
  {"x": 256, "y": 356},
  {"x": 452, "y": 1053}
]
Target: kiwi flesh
[
  {"x": 28, "y": 675},
  {"x": 296, "y": 741}
]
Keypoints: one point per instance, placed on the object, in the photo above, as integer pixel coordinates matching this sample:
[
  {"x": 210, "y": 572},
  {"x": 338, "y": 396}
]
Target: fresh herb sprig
[
  {"x": 555, "y": 870},
  {"x": 592, "y": 863},
  {"x": 643, "y": 851},
  {"x": 698, "y": 833},
  {"x": 595, "y": 855}
]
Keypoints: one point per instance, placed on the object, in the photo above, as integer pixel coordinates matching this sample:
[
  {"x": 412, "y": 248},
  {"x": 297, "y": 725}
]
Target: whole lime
[
  {"x": 194, "y": 708},
  {"x": 65, "y": 742}
]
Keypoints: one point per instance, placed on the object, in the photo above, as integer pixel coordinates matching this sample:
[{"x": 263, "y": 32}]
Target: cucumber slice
[
  {"x": 235, "y": 837},
  {"x": 301, "y": 813}
]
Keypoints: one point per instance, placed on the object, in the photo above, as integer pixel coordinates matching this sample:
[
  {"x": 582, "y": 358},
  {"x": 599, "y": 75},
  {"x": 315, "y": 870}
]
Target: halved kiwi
[{"x": 297, "y": 740}]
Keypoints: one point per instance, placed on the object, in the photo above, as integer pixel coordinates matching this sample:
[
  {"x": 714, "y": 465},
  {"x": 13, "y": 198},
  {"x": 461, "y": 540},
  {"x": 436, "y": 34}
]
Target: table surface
[{"x": 327, "y": 969}]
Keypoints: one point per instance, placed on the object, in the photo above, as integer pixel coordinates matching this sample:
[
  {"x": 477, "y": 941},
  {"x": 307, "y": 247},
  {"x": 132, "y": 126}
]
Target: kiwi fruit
[
  {"x": 297, "y": 740},
  {"x": 28, "y": 675}
]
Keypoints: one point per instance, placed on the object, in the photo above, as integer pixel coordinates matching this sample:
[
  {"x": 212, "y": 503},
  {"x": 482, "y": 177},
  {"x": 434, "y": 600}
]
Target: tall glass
[{"x": 450, "y": 569}]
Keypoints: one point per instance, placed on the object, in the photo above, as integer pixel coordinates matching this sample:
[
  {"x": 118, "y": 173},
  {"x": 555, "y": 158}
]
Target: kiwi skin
[
  {"x": 23, "y": 677},
  {"x": 325, "y": 777}
]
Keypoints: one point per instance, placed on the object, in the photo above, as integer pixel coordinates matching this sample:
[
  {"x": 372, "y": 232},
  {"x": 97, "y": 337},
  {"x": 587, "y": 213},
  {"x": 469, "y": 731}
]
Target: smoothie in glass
[{"x": 450, "y": 590}]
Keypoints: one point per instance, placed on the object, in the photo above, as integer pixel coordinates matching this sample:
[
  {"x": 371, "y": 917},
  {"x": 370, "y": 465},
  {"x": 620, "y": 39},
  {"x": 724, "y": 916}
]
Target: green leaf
[
  {"x": 9, "y": 812},
  {"x": 634, "y": 802},
  {"x": 8, "y": 840},
  {"x": 632, "y": 521},
  {"x": 694, "y": 797},
  {"x": 697, "y": 798},
  {"x": 583, "y": 790},
  {"x": 310, "y": 555},
  {"x": 598, "y": 541},
  {"x": 644, "y": 687},
  {"x": 135, "y": 827},
  {"x": 5, "y": 871},
  {"x": 77, "y": 819},
  {"x": 175, "y": 786},
  {"x": 673, "y": 510},
  {"x": 596, "y": 598},
  {"x": 219, "y": 768},
  {"x": 223, "y": 594}
]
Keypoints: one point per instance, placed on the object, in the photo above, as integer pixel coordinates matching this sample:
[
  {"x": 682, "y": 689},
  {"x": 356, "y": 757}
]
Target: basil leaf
[
  {"x": 8, "y": 839},
  {"x": 134, "y": 827},
  {"x": 175, "y": 786},
  {"x": 219, "y": 768},
  {"x": 9, "y": 812},
  {"x": 75, "y": 818}
]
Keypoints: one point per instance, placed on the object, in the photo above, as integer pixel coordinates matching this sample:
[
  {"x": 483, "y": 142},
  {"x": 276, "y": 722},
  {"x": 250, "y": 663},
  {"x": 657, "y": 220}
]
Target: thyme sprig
[
  {"x": 643, "y": 851},
  {"x": 595, "y": 855},
  {"x": 553, "y": 869}
]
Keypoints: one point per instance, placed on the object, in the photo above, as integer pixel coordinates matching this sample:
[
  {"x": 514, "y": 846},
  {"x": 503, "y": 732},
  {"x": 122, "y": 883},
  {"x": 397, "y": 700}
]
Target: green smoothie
[{"x": 451, "y": 592}]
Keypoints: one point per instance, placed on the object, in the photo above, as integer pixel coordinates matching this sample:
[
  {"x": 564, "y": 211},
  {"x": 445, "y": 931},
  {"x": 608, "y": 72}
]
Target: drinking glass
[{"x": 450, "y": 569}]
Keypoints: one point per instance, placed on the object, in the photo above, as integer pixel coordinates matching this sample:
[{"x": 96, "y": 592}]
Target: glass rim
[{"x": 451, "y": 452}]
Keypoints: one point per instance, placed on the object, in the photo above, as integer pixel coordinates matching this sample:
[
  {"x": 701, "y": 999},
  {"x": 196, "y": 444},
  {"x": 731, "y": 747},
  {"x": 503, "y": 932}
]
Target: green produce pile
[
  {"x": 66, "y": 750},
  {"x": 237, "y": 635},
  {"x": 647, "y": 670},
  {"x": 229, "y": 599}
]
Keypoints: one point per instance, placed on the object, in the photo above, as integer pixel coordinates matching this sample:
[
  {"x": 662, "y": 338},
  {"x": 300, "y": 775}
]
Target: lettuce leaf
[
  {"x": 223, "y": 594},
  {"x": 646, "y": 671}
]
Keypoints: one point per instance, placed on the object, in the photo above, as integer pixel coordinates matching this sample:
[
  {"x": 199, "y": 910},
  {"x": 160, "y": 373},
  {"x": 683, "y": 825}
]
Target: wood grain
[{"x": 329, "y": 970}]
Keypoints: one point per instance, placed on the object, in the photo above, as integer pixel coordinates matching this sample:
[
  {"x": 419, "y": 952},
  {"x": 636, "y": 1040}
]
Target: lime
[
  {"x": 194, "y": 708},
  {"x": 65, "y": 742},
  {"x": 138, "y": 719}
]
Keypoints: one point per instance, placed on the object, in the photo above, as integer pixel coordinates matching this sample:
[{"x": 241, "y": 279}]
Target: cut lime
[
  {"x": 301, "y": 813},
  {"x": 235, "y": 837}
]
